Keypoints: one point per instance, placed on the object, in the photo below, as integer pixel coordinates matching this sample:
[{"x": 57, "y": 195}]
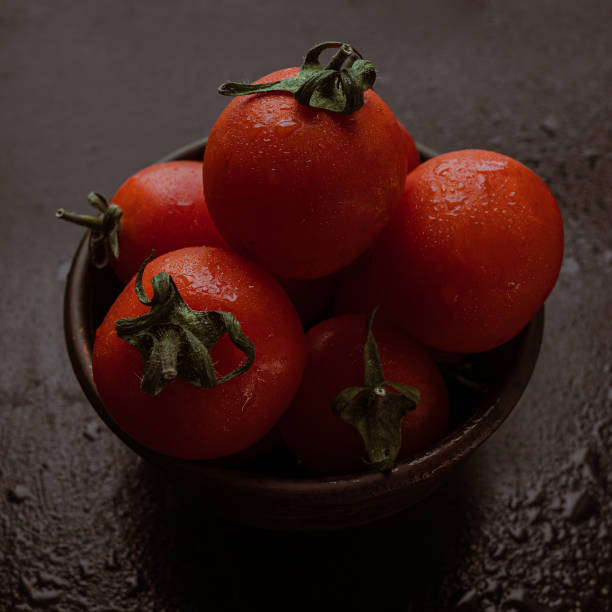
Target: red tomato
[
  {"x": 300, "y": 190},
  {"x": 470, "y": 256},
  {"x": 335, "y": 361},
  {"x": 162, "y": 207},
  {"x": 412, "y": 154},
  {"x": 191, "y": 422}
]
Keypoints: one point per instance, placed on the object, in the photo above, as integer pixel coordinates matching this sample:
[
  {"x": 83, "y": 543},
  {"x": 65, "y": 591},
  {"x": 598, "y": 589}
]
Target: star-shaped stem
[
  {"x": 377, "y": 408},
  {"x": 337, "y": 87},
  {"x": 175, "y": 341},
  {"x": 105, "y": 228}
]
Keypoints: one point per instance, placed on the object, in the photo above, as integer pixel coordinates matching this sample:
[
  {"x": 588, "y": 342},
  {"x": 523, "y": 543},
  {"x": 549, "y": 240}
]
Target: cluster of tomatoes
[{"x": 311, "y": 204}]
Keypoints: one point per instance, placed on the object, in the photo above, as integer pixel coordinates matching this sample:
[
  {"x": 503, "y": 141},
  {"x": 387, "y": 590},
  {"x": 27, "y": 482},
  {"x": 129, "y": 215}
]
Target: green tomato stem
[
  {"x": 338, "y": 87},
  {"x": 94, "y": 223},
  {"x": 105, "y": 228},
  {"x": 373, "y": 411},
  {"x": 170, "y": 343},
  {"x": 175, "y": 341}
]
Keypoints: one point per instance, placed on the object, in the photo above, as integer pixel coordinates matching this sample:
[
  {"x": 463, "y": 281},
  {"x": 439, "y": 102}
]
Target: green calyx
[
  {"x": 337, "y": 87},
  {"x": 105, "y": 228},
  {"x": 377, "y": 408},
  {"x": 175, "y": 341}
]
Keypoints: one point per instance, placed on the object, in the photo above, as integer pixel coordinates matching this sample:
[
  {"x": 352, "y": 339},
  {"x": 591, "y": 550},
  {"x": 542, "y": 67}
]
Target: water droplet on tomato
[
  {"x": 490, "y": 165},
  {"x": 442, "y": 169},
  {"x": 453, "y": 196},
  {"x": 288, "y": 125}
]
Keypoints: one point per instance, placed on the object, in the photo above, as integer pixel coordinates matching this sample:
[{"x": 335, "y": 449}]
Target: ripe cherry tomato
[
  {"x": 469, "y": 257},
  {"x": 162, "y": 208},
  {"x": 184, "y": 420},
  {"x": 301, "y": 190},
  {"x": 335, "y": 361}
]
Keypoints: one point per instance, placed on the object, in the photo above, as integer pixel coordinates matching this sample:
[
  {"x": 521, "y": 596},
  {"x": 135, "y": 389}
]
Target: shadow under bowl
[{"x": 282, "y": 497}]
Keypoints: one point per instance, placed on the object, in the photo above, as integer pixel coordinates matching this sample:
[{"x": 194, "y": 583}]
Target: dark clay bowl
[{"x": 275, "y": 493}]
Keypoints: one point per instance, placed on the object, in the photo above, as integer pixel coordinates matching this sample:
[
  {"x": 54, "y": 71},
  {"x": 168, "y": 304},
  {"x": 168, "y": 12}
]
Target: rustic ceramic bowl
[{"x": 275, "y": 493}]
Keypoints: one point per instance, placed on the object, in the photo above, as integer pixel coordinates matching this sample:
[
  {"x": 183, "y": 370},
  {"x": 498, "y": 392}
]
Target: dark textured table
[{"x": 91, "y": 92}]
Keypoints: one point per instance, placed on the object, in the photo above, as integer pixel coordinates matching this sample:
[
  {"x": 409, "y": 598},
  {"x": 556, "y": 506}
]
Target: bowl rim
[{"x": 456, "y": 445}]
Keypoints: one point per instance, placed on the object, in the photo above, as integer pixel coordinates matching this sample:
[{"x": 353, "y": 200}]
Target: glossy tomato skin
[
  {"x": 163, "y": 209},
  {"x": 302, "y": 191},
  {"x": 471, "y": 254},
  {"x": 186, "y": 421},
  {"x": 319, "y": 438}
]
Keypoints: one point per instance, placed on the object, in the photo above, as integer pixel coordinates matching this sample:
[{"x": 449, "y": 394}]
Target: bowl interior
[{"x": 476, "y": 412}]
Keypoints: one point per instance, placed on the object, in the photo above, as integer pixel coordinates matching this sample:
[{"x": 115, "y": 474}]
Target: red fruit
[
  {"x": 301, "y": 190},
  {"x": 335, "y": 361},
  {"x": 184, "y": 420},
  {"x": 469, "y": 257},
  {"x": 162, "y": 207}
]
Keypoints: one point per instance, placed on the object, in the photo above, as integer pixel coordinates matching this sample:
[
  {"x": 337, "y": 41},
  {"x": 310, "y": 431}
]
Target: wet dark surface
[{"x": 91, "y": 92}]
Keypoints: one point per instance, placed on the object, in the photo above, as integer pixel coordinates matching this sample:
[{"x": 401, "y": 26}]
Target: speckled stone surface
[{"x": 91, "y": 92}]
